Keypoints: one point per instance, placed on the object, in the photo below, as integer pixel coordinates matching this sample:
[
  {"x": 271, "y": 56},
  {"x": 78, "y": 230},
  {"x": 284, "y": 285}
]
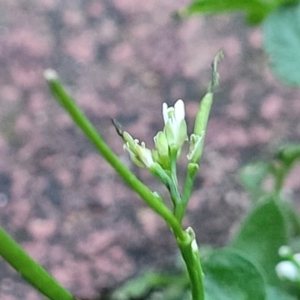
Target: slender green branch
[
  {"x": 206, "y": 103},
  {"x": 191, "y": 173},
  {"x": 66, "y": 101},
  {"x": 30, "y": 270},
  {"x": 174, "y": 190},
  {"x": 190, "y": 254}
]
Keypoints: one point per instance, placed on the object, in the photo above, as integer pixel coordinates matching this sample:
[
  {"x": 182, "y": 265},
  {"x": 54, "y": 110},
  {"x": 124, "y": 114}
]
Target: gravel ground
[{"x": 123, "y": 59}]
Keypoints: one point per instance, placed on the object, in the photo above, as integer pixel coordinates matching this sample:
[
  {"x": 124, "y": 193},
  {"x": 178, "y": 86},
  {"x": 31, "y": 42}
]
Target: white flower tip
[
  {"x": 179, "y": 102},
  {"x": 165, "y": 112},
  {"x": 287, "y": 270},
  {"x": 50, "y": 74},
  {"x": 179, "y": 110}
]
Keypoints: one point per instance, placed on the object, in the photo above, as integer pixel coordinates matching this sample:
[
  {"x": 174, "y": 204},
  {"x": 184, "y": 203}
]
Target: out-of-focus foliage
[
  {"x": 255, "y": 10},
  {"x": 281, "y": 32},
  {"x": 281, "y": 29}
]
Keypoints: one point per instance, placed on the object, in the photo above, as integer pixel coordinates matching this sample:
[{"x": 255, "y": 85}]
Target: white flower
[
  {"x": 287, "y": 270},
  {"x": 175, "y": 125}
]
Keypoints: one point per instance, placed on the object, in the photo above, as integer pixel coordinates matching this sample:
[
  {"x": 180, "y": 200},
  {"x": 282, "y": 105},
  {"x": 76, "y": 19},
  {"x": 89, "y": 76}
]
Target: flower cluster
[
  {"x": 289, "y": 268},
  {"x": 168, "y": 142}
]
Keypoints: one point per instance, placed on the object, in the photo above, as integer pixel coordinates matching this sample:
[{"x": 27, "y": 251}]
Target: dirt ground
[{"x": 123, "y": 59}]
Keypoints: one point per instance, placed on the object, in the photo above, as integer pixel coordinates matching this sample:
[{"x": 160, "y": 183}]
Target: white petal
[
  {"x": 165, "y": 112},
  {"x": 179, "y": 110},
  {"x": 287, "y": 270}
]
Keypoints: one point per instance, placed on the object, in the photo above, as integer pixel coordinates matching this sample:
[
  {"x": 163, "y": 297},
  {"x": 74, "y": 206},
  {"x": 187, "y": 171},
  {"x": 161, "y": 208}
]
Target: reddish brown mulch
[{"x": 122, "y": 59}]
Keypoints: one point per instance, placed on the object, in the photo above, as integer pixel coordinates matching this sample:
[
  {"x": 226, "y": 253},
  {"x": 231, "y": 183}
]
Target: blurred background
[{"x": 123, "y": 59}]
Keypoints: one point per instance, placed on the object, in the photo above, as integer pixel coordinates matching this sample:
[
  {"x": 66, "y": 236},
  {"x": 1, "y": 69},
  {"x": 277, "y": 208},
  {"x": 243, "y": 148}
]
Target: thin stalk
[
  {"x": 174, "y": 191},
  {"x": 190, "y": 255},
  {"x": 30, "y": 270},
  {"x": 66, "y": 101},
  {"x": 192, "y": 170}
]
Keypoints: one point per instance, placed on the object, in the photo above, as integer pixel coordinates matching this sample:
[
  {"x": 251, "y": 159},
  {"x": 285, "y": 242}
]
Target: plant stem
[
  {"x": 31, "y": 271},
  {"x": 174, "y": 191},
  {"x": 190, "y": 254},
  {"x": 191, "y": 173},
  {"x": 185, "y": 239},
  {"x": 66, "y": 101}
]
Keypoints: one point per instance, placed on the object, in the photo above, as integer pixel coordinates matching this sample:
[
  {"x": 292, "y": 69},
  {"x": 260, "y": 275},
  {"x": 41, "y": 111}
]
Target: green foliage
[
  {"x": 252, "y": 177},
  {"x": 255, "y": 10},
  {"x": 149, "y": 283},
  {"x": 281, "y": 27},
  {"x": 273, "y": 221},
  {"x": 289, "y": 154},
  {"x": 282, "y": 42},
  {"x": 261, "y": 235},
  {"x": 274, "y": 293},
  {"x": 229, "y": 275}
]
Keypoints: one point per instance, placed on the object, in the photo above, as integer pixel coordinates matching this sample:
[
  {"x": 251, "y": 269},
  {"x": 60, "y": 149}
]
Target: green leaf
[
  {"x": 275, "y": 293},
  {"x": 252, "y": 177},
  {"x": 289, "y": 153},
  {"x": 292, "y": 219},
  {"x": 261, "y": 235},
  {"x": 142, "y": 286},
  {"x": 256, "y": 10},
  {"x": 228, "y": 276},
  {"x": 281, "y": 32}
]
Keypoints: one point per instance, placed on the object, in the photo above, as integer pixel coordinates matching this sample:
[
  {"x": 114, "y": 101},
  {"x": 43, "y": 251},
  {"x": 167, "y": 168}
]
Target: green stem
[
  {"x": 192, "y": 170},
  {"x": 190, "y": 255},
  {"x": 173, "y": 188},
  {"x": 31, "y": 271},
  {"x": 185, "y": 239},
  {"x": 66, "y": 101}
]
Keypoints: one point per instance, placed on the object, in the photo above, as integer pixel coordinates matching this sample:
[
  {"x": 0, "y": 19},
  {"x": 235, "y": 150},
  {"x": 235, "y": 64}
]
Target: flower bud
[
  {"x": 196, "y": 147},
  {"x": 161, "y": 155},
  {"x": 175, "y": 125},
  {"x": 139, "y": 154}
]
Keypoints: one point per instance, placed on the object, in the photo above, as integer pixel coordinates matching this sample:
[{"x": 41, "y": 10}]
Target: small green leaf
[
  {"x": 291, "y": 217},
  {"x": 282, "y": 42},
  {"x": 252, "y": 177},
  {"x": 261, "y": 235},
  {"x": 142, "y": 286},
  {"x": 228, "y": 276},
  {"x": 289, "y": 153}
]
